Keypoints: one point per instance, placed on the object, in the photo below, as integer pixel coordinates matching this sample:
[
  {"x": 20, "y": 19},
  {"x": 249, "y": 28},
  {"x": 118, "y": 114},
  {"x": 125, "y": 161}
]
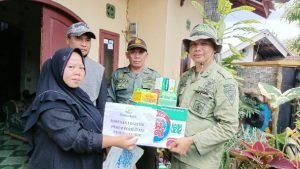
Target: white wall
[
  {"x": 151, "y": 19},
  {"x": 161, "y": 23},
  {"x": 93, "y": 12},
  {"x": 176, "y": 31}
]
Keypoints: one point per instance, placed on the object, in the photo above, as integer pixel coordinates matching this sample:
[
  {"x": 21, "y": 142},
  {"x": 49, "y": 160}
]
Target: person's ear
[
  {"x": 68, "y": 40},
  {"x": 127, "y": 54}
]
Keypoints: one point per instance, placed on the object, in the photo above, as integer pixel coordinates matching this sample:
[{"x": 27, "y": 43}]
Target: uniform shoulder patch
[
  {"x": 229, "y": 91},
  {"x": 120, "y": 72},
  {"x": 152, "y": 71},
  {"x": 122, "y": 69}
]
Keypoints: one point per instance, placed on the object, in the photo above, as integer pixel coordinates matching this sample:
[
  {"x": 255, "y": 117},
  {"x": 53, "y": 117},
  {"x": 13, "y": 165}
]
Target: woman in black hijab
[{"x": 63, "y": 127}]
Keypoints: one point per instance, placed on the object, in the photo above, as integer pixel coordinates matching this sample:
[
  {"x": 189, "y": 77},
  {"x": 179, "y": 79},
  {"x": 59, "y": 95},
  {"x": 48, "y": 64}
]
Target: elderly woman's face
[
  {"x": 202, "y": 51},
  {"x": 74, "y": 71}
]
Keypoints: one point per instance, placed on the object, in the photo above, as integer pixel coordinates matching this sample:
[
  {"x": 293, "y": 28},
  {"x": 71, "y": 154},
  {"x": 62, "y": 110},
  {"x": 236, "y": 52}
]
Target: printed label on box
[{"x": 153, "y": 125}]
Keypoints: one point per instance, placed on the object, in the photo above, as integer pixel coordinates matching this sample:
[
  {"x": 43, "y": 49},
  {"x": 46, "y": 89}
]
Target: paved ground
[{"x": 12, "y": 153}]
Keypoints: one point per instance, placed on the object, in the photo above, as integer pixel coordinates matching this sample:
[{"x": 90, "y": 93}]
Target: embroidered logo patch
[{"x": 229, "y": 92}]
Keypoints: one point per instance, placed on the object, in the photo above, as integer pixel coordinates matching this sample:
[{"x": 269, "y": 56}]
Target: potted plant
[{"x": 261, "y": 156}]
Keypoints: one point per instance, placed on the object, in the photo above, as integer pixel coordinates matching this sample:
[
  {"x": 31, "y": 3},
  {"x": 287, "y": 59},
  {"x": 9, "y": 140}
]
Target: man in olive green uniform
[
  {"x": 211, "y": 95},
  {"x": 125, "y": 80}
]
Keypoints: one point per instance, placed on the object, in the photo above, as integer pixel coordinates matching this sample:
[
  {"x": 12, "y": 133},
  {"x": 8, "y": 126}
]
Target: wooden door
[
  {"x": 109, "y": 52},
  {"x": 54, "y": 28}
]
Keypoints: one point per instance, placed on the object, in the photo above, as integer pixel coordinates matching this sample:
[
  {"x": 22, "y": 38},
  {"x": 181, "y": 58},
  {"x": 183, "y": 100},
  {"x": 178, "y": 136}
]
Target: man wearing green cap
[
  {"x": 210, "y": 94},
  {"x": 135, "y": 75},
  {"x": 125, "y": 80}
]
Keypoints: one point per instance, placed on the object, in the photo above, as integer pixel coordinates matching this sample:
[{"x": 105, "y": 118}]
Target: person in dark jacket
[{"x": 63, "y": 126}]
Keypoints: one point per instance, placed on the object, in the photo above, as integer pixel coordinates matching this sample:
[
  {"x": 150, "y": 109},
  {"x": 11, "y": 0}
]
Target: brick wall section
[{"x": 252, "y": 75}]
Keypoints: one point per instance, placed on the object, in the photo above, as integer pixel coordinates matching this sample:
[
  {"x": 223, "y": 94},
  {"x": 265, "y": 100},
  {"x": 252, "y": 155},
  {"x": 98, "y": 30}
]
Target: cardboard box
[
  {"x": 153, "y": 125},
  {"x": 167, "y": 99},
  {"x": 144, "y": 96},
  {"x": 170, "y": 124},
  {"x": 165, "y": 84}
]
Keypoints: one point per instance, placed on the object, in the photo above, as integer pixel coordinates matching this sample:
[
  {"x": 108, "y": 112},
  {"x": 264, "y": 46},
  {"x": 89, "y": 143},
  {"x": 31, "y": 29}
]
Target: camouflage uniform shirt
[{"x": 212, "y": 100}]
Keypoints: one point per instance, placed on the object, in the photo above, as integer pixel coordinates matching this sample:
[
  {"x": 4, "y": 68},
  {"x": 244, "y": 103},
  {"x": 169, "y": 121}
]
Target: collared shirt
[
  {"x": 212, "y": 100},
  {"x": 124, "y": 82}
]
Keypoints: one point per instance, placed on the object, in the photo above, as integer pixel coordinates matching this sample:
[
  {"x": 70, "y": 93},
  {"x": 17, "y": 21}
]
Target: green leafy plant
[
  {"x": 246, "y": 133},
  {"x": 292, "y": 14},
  {"x": 290, "y": 141},
  {"x": 224, "y": 9},
  {"x": 261, "y": 156},
  {"x": 276, "y": 99},
  {"x": 224, "y": 32},
  {"x": 247, "y": 107},
  {"x": 227, "y": 63}
]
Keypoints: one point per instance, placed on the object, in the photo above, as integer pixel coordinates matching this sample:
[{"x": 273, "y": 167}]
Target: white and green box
[{"x": 153, "y": 125}]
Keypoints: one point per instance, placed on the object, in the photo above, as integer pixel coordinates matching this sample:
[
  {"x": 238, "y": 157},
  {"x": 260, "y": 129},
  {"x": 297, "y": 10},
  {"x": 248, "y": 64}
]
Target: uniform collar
[
  {"x": 145, "y": 70},
  {"x": 209, "y": 69},
  {"x": 207, "y": 72},
  {"x": 127, "y": 69}
]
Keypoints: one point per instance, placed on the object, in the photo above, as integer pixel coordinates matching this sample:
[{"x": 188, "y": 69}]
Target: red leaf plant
[{"x": 262, "y": 156}]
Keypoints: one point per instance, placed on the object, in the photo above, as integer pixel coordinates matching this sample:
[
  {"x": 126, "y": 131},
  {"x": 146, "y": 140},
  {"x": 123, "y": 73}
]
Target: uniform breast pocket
[
  {"x": 148, "y": 83},
  {"x": 122, "y": 84},
  {"x": 202, "y": 104}
]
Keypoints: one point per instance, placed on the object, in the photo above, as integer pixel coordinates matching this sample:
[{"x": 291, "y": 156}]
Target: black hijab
[{"x": 51, "y": 88}]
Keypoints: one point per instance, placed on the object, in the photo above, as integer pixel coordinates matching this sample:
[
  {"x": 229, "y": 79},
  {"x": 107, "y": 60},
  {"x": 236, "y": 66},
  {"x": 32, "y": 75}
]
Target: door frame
[
  {"x": 60, "y": 8},
  {"x": 105, "y": 34},
  {"x": 48, "y": 6}
]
